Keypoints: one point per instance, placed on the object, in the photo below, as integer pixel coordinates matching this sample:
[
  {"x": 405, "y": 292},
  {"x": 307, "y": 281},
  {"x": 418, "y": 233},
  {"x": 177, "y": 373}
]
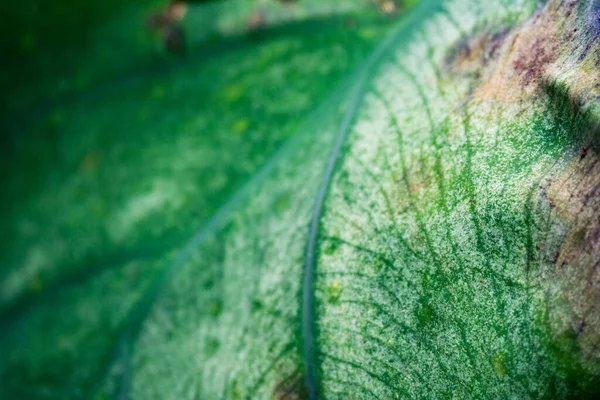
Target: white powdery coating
[{"x": 434, "y": 300}]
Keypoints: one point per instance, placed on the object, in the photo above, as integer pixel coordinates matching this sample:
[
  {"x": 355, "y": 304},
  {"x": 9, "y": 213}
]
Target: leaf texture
[{"x": 429, "y": 230}]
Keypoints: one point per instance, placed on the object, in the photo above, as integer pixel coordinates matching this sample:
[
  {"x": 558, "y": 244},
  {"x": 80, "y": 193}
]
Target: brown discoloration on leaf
[
  {"x": 531, "y": 65},
  {"x": 477, "y": 51},
  {"x": 511, "y": 65},
  {"x": 575, "y": 194},
  {"x": 524, "y": 58},
  {"x": 292, "y": 387}
]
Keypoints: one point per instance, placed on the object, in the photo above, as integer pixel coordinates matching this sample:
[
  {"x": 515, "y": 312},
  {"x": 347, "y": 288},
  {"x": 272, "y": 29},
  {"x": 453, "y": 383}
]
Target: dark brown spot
[
  {"x": 292, "y": 387},
  {"x": 584, "y": 152},
  {"x": 570, "y": 9},
  {"x": 476, "y": 51},
  {"x": 531, "y": 64},
  {"x": 581, "y": 327}
]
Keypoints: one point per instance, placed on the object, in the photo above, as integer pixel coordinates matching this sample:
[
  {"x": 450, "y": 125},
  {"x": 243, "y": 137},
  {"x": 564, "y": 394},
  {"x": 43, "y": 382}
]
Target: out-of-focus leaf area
[
  {"x": 116, "y": 151},
  {"x": 90, "y": 101}
]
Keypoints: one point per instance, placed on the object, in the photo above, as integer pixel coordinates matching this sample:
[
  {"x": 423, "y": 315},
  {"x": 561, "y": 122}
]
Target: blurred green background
[
  {"x": 96, "y": 113},
  {"x": 115, "y": 150}
]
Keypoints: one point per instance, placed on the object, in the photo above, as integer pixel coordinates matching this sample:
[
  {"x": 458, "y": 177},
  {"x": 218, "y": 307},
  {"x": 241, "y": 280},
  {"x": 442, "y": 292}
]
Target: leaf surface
[{"x": 429, "y": 230}]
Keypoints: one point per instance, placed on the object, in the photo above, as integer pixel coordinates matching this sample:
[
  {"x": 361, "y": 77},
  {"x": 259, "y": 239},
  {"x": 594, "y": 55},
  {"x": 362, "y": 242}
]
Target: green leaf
[{"x": 266, "y": 223}]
